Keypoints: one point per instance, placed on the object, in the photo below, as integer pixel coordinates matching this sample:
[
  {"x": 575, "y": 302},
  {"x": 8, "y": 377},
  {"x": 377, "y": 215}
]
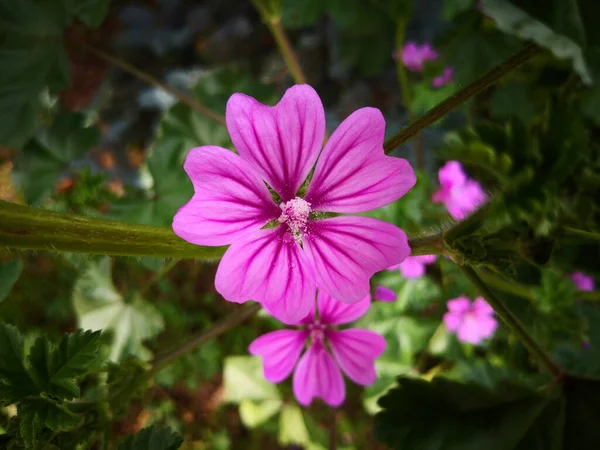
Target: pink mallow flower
[
  {"x": 444, "y": 78},
  {"x": 385, "y": 294},
  {"x": 583, "y": 282},
  {"x": 317, "y": 373},
  {"x": 282, "y": 264},
  {"x": 414, "y": 266},
  {"x": 472, "y": 322},
  {"x": 414, "y": 55},
  {"x": 458, "y": 193}
]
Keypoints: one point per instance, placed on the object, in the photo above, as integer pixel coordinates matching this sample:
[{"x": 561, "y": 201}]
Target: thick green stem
[
  {"x": 513, "y": 323},
  {"x": 190, "y": 344},
  {"x": 26, "y": 228},
  {"x": 405, "y": 88},
  {"x": 439, "y": 111},
  {"x": 22, "y": 227}
]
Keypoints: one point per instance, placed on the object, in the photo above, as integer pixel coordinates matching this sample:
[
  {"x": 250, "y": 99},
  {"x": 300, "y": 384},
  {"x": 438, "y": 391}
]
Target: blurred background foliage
[{"x": 82, "y": 131}]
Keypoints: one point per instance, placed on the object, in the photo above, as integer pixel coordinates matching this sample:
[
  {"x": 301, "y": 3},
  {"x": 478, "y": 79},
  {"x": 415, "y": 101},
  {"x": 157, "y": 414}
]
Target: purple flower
[
  {"x": 414, "y": 55},
  {"x": 458, "y": 193},
  {"x": 472, "y": 322},
  {"x": 414, "y": 266},
  {"x": 282, "y": 264},
  {"x": 317, "y": 373},
  {"x": 384, "y": 294},
  {"x": 444, "y": 78},
  {"x": 583, "y": 282}
]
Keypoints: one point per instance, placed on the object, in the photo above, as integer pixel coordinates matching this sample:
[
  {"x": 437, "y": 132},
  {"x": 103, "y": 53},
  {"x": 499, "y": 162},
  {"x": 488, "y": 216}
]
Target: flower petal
[
  {"x": 452, "y": 320},
  {"x": 347, "y": 251},
  {"x": 482, "y": 308},
  {"x": 334, "y": 312},
  {"x": 281, "y": 141},
  {"x": 459, "y": 305},
  {"x": 269, "y": 267},
  {"x": 317, "y": 375},
  {"x": 230, "y": 198},
  {"x": 355, "y": 351},
  {"x": 353, "y": 174},
  {"x": 385, "y": 294},
  {"x": 279, "y": 351}
]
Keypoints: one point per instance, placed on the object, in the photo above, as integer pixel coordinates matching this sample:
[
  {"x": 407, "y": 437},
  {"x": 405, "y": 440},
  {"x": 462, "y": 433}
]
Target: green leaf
[
  {"x": 99, "y": 306},
  {"x": 448, "y": 415},
  {"x": 302, "y": 14},
  {"x": 243, "y": 379},
  {"x": 254, "y": 414},
  {"x": 9, "y": 274},
  {"x": 513, "y": 100},
  {"x": 152, "y": 438},
  {"x": 292, "y": 429},
  {"x": 591, "y": 104},
  {"x": 453, "y": 8},
  {"x": 55, "y": 368},
  {"x": 15, "y": 382},
  {"x": 45, "y": 412},
  {"x": 91, "y": 12},
  {"x": 51, "y": 154}
]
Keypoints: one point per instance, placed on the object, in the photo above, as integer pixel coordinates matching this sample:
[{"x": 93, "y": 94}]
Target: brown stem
[
  {"x": 443, "y": 108},
  {"x": 124, "y": 65}
]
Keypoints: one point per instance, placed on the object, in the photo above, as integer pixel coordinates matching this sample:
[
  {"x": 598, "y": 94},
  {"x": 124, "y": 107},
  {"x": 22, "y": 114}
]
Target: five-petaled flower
[
  {"x": 472, "y": 322},
  {"x": 460, "y": 195},
  {"x": 583, "y": 282},
  {"x": 282, "y": 250},
  {"x": 414, "y": 55},
  {"x": 414, "y": 266},
  {"x": 317, "y": 373}
]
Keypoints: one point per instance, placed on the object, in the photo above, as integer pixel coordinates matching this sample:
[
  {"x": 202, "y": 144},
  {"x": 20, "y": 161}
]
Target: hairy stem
[
  {"x": 513, "y": 323},
  {"x": 233, "y": 320},
  {"x": 23, "y": 227},
  {"x": 439, "y": 111},
  {"x": 405, "y": 88},
  {"x": 132, "y": 70}
]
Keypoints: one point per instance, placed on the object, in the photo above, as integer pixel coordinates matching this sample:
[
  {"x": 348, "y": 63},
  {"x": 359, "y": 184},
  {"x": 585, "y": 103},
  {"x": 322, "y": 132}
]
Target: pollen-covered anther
[{"x": 295, "y": 214}]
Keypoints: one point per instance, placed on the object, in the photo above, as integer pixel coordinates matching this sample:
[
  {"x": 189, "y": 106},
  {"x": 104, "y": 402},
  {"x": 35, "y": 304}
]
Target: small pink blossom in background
[
  {"x": 414, "y": 266},
  {"x": 444, "y": 78},
  {"x": 460, "y": 195},
  {"x": 583, "y": 282},
  {"x": 472, "y": 322},
  {"x": 414, "y": 55},
  {"x": 317, "y": 373},
  {"x": 384, "y": 294},
  {"x": 281, "y": 266}
]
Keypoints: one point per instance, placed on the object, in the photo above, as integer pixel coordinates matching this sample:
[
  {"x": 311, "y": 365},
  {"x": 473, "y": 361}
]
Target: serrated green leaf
[
  {"x": 46, "y": 412},
  {"x": 9, "y": 274},
  {"x": 152, "y": 438},
  {"x": 243, "y": 379},
  {"x": 15, "y": 382},
  {"x": 55, "y": 368},
  {"x": 99, "y": 306},
  {"x": 448, "y": 415}
]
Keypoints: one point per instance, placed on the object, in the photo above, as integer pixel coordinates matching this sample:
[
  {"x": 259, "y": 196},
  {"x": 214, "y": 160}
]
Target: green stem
[
  {"x": 289, "y": 56},
  {"x": 132, "y": 70},
  {"x": 405, "y": 88},
  {"x": 443, "y": 108},
  {"x": 582, "y": 233},
  {"x": 190, "y": 344},
  {"x": 26, "y": 228},
  {"x": 513, "y": 323},
  {"x": 23, "y": 227}
]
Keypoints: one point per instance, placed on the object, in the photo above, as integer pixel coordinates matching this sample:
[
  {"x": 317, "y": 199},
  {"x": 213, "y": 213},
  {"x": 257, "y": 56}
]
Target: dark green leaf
[
  {"x": 152, "y": 438},
  {"x": 513, "y": 100},
  {"x": 9, "y": 274},
  {"x": 302, "y": 14},
  {"x": 15, "y": 382},
  {"x": 448, "y": 415},
  {"x": 55, "y": 368},
  {"x": 45, "y": 412},
  {"x": 91, "y": 12}
]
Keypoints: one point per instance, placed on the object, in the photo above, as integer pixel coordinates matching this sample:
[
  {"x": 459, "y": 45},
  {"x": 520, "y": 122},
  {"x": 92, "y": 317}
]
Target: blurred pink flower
[
  {"x": 414, "y": 55},
  {"x": 384, "y": 294},
  {"x": 414, "y": 266},
  {"x": 317, "y": 373},
  {"x": 583, "y": 282},
  {"x": 472, "y": 322},
  {"x": 281, "y": 265},
  {"x": 444, "y": 78},
  {"x": 458, "y": 193}
]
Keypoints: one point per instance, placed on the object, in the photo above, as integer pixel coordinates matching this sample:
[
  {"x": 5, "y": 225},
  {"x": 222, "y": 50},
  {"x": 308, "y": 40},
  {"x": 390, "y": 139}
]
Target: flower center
[
  {"x": 317, "y": 330},
  {"x": 295, "y": 214}
]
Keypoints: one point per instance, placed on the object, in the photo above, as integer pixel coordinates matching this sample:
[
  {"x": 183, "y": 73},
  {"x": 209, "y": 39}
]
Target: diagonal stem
[
  {"x": 443, "y": 108},
  {"x": 289, "y": 56},
  {"x": 129, "y": 68},
  {"x": 513, "y": 323}
]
